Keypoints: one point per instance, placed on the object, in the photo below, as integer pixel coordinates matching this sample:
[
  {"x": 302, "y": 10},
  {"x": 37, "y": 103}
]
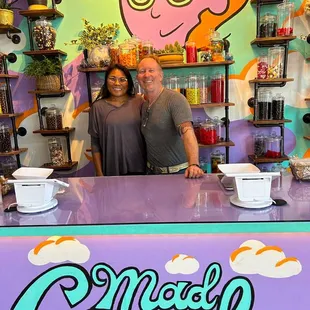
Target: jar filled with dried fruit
[
  {"x": 128, "y": 55},
  {"x": 53, "y": 118},
  {"x": 56, "y": 152},
  {"x": 44, "y": 34},
  {"x": 5, "y": 138}
]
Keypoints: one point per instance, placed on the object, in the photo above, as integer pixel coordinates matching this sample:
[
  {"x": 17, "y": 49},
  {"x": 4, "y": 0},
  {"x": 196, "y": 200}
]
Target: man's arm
[{"x": 191, "y": 149}]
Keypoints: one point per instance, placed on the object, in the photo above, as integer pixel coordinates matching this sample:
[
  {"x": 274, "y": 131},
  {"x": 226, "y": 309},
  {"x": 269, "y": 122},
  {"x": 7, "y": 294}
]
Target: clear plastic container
[
  {"x": 5, "y": 138},
  {"x": 259, "y": 144},
  {"x": 128, "y": 55},
  {"x": 268, "y": 26},
  {"x": 191, "y": 52},
  {"x": 208, "y": 134},
  {"x": 278, "y": 107},
  {"x": 264, "y": 104},
  {"x": 204, "y": 91},
  {"x": 193, "y": 89},
  {"x": 285, "y": 19},
  {"x": 44, "y": 34},
  {"x": 273, "y": 146},
  {"x": 216, "y": 158},
  {"x": 53, "y": 118},
  {"x": 262, "y": 67},
  {"x": 4, "y": 108},
  {"x": 56, "y": 151},
  {"x": 275, "y": 62},
  {"x": 217, "y": 88},
  {"x": 147, "y": 48}
]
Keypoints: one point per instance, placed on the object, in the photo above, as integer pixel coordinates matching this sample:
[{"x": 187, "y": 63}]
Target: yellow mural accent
[
  {"x": 80, "y": 109},
  {"x": 307, "y": 154}
]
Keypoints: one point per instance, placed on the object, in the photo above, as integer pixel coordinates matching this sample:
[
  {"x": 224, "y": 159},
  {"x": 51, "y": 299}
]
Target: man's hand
[{"x": 193, "y": 172}]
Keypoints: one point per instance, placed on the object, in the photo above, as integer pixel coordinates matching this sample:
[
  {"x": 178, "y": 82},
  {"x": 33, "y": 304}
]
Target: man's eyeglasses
[
  {"x": 121, "y": 80},
  {"x": 146, "y": 117}
]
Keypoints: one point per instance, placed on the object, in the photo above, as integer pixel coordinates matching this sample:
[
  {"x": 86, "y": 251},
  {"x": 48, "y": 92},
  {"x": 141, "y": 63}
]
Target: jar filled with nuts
[
  {"x": 56, "y": 151},
  {"x": 44, "y": 34},
  {"x": 4, "y": 108},
  {"x": 5, "y": 138},
  {"x": 53, "y": 118}
]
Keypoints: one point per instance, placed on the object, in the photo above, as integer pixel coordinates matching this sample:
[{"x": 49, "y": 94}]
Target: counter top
[{"x": 140, "y": 202}]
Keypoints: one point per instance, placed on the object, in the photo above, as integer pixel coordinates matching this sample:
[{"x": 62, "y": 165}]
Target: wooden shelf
[
  {"x": 8, "y": 76},
  {"x": 170, "y": 66},
  {"x": 45, "y": 52},
  {"x": 8, "y": 28},
  {"x": 258, "y": 160},
  {"x": 22, "y": 150},
  {"x": 210, "y": 105},
  {"x": 230, "y": 143},
  {"x": 270, "y": 122},
  {"x": 272, "y": 40},
  {"x": 49, "y": 92},
  {"x": 10, "y": 115},
  {"x": 267, "y": 1},
  {"x": 39, "y": 13},
  {"x": 267, "y": 81},
  {"x": 307, "y": 137},
  {"x": 46, "y": 132},
  {"x": 66, "y": 166}
]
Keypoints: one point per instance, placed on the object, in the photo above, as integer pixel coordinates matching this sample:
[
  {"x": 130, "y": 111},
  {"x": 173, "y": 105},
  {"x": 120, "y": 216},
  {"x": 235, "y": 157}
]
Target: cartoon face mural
[{"x": 167, "y": 21}]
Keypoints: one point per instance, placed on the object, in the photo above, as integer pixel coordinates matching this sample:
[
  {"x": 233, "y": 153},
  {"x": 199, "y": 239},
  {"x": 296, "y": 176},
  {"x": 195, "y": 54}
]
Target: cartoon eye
[
  {"x": 179, "y": 3},
  {"x": 140, "y": 5}
]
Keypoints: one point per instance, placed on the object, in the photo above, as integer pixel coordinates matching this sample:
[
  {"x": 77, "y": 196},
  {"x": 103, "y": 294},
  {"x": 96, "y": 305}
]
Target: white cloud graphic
[
  {"x": 254, "y": 257},
  {"x": 182, "y": 264},
  {"x": 58, "y": 250}
]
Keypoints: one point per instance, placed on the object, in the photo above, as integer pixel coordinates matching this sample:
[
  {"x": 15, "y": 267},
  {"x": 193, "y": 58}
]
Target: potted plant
[
  {"x": 37, "y": 4},
  {"x": 172, "y": 53},
  {"x": 96, "y": 41},
  {"x": 6, "y": 12},
  {"x": 46, "y": 72}
]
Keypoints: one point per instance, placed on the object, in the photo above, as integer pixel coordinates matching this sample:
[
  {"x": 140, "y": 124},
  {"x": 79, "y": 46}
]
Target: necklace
[{"x": 153, "y": 101}]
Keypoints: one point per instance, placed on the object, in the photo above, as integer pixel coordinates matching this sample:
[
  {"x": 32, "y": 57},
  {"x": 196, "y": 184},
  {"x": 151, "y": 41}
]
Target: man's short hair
[{"x": 152, "y": 56}]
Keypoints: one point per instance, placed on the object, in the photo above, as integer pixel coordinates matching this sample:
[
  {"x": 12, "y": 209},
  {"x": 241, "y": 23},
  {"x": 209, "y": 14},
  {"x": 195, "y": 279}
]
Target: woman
[{"x": 114, "y": 125}]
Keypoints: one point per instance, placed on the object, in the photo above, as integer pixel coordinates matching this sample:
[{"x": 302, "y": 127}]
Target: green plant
[
  {"x": 93, "y": 36},
  {"x": 38, "y": 68},
  {"x": 169, "y": 48},
  {"x": 4, "y": 5}
]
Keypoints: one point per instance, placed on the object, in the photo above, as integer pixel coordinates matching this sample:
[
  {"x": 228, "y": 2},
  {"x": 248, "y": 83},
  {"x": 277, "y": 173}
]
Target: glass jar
[
  {"x": 173, "y": 83},
  {"x": 285, "y": 18},
  {"x": 5, "y": 138},
  {"x": 218, "y": 125},
  {"x": 264, "y": 104},
  {"x": 44, "y": 34},
  {"x": 128, "y": 55},
  {"x": 278, "y": 107},
  {"x": 147, "y": 48},
  {"x": 8, "y": 167},
  {"x": 275, "y": 62},
  {"x": 192, "y": 89},
  {"x": 217, "y": 158},
  {"x": 197, "y": 125},
  {"x": 217, "y": 88},
  {"x": 217, "y": 47},
  {"x": 262, "y": 67},
  {"x": 183, "y": 84},
  {"x": 53, "y": 118},
  {"x": 203, "y": 89},
  {"x": 191, "y": 52},
  {"x": 259, "y": 144},
  {"x": 208, "y": 134},
  {"x": 4, "y": 108},
  {"x": 273, "y": 146},
  {"x": 137, "y": 42},
  {"x": 114, "y": 53},
  {"x": 268, "y": 26},
  {"x": 203, "y": 163},
  {"x": 56, "y": 151}
]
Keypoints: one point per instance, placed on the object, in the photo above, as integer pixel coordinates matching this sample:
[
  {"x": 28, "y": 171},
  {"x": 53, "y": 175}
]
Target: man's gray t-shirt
[
  {"x": 163, "y": 142},
  {"x": 115, "y": 133}
]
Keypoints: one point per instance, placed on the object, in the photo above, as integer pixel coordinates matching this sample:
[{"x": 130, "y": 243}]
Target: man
[{"x": 166, "y": 125}]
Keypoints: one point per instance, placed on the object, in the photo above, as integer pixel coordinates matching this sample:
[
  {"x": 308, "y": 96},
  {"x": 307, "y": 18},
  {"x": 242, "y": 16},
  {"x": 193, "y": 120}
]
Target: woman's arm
[{"x": 97, "y": 156}]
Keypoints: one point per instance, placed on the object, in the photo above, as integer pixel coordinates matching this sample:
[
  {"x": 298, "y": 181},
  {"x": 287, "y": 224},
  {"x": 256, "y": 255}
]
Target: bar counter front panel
[{"x": 157, "y": 242}]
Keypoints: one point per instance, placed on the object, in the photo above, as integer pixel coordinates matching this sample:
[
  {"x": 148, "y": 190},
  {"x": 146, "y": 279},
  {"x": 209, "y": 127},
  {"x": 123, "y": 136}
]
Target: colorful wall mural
[{"x": 163, "y": 21}]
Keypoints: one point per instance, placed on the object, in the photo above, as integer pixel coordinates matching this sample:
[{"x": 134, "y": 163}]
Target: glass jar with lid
[
  {"x": 275, "y": 62},
  {"x": 137, "y": 42},
  {"x": 285, "y": 18},
  {"x": 217, "y": 88},
  {"x": 147, "y": 48},
  {"x": 273, "y": 146},
  {"x": 216, "y": 158},
  {"x": 4, "y": 108},
  {"x": 114, "y": 53},
  {"x": 56, "y": 151},
  {"x": 8, "y": 167},
  {"x": 204, "y": 91},
  {"x": 268, "y": 26},
  {"x": 53, "y": 118},
  {"x": 128, "y": 55},
  {"x": 259, "y": 144},
  {"x": 218, "y": 125},
  {"x": 262, "y": 66},
  {"x": 278, "y": 107},
  {"x": 197, "y": 125},
  {"x": 217, "y": 47},
  {"x": 191, "y": 51},
  {"x": 5, "y": 138},
  {"x": 44, "y": 34},
  {"x": 264, "y": 104},
  {"x": 174, "y": 83},
  {"x": 193, "y": 89},
  {"x": 208, "y": 134}
]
